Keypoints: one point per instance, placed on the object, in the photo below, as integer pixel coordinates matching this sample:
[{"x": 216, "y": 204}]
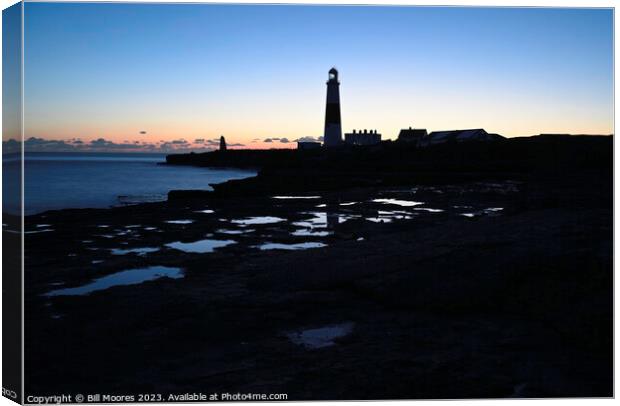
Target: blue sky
[{"x": 188, "y": 72}]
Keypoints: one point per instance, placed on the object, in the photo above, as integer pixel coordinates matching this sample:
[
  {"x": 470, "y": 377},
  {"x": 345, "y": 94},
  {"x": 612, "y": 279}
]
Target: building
[
  {"x": 413, "y": 136},
  {"x": 362, "y": 138},
  {"x": 222, "y": 143},
  {"x": 308, "y": 145},
  {"x": 477, "y": 134},
  {"x": 333, "y": 127}
]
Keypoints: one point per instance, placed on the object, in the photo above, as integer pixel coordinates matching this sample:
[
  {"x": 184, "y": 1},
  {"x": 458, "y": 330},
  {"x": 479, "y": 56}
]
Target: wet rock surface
[{"x": 429, "y": 303}]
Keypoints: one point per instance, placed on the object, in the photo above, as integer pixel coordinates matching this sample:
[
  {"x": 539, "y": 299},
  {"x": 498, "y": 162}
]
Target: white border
[{"x": 484, "y": 3}]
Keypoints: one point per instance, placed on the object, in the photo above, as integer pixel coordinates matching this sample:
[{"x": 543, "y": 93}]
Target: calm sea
[{"x": 95, "y": 180}]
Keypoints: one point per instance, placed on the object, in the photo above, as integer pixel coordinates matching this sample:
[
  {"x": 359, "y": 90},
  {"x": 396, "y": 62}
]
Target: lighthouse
[{"x": 333, "y": 128}]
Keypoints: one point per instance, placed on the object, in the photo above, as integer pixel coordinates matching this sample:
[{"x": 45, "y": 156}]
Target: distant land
[{"x": 33, "y": 144}]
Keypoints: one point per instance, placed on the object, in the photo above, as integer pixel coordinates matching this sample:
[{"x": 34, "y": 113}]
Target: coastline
[{"x": 504, "y": 303}]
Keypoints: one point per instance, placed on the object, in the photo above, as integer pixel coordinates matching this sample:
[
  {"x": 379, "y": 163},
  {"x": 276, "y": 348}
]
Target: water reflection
[
  {"x": 258, "y": 220},
  {"x": 309, "y": 233},
  {"x": 200, "y": 247},
  {"x": 403, "y": 203},
  {"x": 321, "y": 337},
  {"x": 297, "y": 246},
  {"x": 233, "y": 232},
  {"x": 295, "y": 197},
  {"x": 179, "y": 221},
  {"x": 140, "y": 251},
  {"x": 129, "y": 277}
]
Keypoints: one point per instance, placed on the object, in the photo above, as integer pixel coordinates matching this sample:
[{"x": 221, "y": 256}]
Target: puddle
[
  {"x": 43, "y": 225},
  {"x": 179, "y": 221},
  {"x": 321, "y": 337},
  {"x": 295, "y": 197},
  {"x": 348, "y": 203},
  {"x": 319, "y": 220},
  {"x": 103, "y": 226},
  {"x": 324, "y": 220},
  {"x": 379, "y": 219},
  {"x": 258, "y": 220},
  {"x": 429, "y": 210},
  {"x": 321, "y": 205},
  {"x": 96, "y": 261},
  {"x": 389, "y": 216},
  {"x": 298, "y": 246},
  {"x": 47, "y": 230},
  {"x": 233, "y": 232},
  {"x": 403, "y": 203},
  {"x": 129, "y": 277},
  {"x": 200, "y": 247},
  {"x": 140, "y": 251},
  {"x": 150, "y": 228},
  {"x": 493, "y": 209},
  {"x": 310, "y": 233},
  {"x": 207, "y": 211}
]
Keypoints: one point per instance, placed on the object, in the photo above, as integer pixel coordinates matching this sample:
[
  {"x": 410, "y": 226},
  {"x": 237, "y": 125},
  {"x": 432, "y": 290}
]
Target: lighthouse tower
[{"x": 333, "y": 128}]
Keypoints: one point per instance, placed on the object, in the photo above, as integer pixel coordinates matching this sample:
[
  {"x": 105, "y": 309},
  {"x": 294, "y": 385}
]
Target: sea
[{"x": 56, "y": 180}]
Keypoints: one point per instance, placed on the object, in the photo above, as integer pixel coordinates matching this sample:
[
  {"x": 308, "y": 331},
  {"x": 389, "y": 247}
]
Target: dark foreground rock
[{"x": 456, "y": 299}]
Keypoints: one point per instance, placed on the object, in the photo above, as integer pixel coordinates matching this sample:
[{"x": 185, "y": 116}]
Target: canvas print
[{"x": 233, "y": 202}]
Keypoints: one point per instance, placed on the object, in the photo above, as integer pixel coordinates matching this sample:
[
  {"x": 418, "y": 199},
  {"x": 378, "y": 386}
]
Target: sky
[{"x": 177, "y": 76}]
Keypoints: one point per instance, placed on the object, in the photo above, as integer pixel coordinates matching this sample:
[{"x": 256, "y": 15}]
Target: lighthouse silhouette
[{"x": 333, "y": 128}]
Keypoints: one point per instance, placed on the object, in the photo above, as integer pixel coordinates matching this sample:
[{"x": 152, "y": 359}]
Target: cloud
[
  {"x": 40, "y": 144},
  {"x": 35, "y": 144},
  {"x": 309, "y": 139},
  {"x": 284, "y": 140},
  {"x": 268, "y": 140}
]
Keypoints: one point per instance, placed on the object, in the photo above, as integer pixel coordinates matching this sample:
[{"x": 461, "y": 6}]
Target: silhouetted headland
[{"x": 400, "y": 163}]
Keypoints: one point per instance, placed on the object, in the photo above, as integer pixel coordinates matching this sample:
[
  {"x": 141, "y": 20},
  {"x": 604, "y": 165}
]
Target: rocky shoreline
[{"x": 461, "y": 285}]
